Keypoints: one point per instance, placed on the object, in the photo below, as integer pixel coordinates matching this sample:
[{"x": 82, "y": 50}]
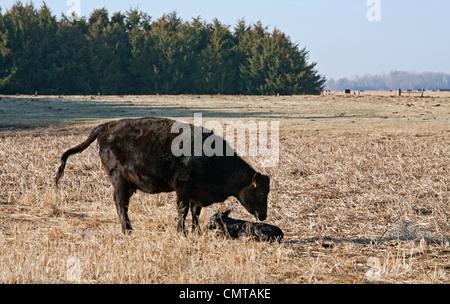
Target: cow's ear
[
  {"x": 256, "y": 178},
  {"x": 226, "y": 213}
]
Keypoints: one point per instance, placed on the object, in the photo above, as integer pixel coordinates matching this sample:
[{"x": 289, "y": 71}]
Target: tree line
[
  {"x": 128, "y": 53},
  {"x": 393, "y": 80}
]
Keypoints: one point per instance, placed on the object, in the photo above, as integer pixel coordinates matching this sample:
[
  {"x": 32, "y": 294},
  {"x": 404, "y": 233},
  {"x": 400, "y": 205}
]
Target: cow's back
[{"x": 141, "y": 150}]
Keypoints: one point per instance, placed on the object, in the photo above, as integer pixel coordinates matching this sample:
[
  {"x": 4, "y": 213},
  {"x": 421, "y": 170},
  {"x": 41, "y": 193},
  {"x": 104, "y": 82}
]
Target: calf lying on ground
[
  {"x": 243, "y": 229},
  {"x": 137, "y": 155}
]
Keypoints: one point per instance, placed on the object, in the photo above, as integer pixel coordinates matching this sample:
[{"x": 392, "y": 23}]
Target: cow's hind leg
[
  {"x": 195, "y": 211},
  {"x": 122, "y": 194},
  {"x": 183, "y": 199}
]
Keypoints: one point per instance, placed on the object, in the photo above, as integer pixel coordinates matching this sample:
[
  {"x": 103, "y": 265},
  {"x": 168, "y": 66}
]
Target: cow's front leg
[{"x": 195, "y": 212}]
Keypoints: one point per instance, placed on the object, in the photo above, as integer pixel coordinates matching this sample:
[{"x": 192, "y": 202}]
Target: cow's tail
[{"x": 81, "y": 147}]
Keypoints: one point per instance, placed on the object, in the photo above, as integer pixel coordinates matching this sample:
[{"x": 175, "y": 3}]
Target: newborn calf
[{"x": 242, "y": 229}]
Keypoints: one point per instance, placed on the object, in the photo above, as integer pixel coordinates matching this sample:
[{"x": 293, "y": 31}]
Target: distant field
[{"x": 361, "y": 192}]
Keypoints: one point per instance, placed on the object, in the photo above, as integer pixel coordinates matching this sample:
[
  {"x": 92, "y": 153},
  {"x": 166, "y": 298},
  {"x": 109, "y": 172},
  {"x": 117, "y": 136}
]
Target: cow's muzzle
[{"x": 261, "y": 215}]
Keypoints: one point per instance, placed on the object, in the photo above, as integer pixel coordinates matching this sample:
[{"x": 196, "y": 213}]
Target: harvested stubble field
[{"x": 361, "y": 191}]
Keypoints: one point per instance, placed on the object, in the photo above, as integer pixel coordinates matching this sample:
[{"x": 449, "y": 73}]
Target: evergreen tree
[
  {"x": 72, "y": 69},
  {"x": 110, "y": 53},
  {"x": 130, "y": 54},
  {"x": 5, "y": 56},
  {"x": 253, "y": 67},
  {"x": 193, "y": 39},
  {"x": 166, "y": 47},
  {"x": 24, "y": 41},
  {"x": 217, "y": 70},
  {"x": 141, "y": 71}
]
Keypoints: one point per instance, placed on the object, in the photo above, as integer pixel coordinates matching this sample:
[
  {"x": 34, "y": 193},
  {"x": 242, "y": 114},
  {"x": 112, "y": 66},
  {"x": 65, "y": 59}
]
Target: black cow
[
  {"x": 243, "y": 229},
  {"x": 137, "y": 155}
]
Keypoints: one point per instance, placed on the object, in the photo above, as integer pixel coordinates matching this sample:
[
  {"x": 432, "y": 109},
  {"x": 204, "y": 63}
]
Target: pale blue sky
[{"x": 413, "y": 35}]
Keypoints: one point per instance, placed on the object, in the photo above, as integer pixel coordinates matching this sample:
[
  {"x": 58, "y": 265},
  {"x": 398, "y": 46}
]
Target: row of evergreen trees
[{"x": 128, "y": 53}]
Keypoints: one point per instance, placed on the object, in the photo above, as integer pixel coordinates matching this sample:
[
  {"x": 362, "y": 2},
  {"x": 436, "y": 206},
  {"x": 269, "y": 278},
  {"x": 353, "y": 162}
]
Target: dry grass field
[{"x": 361, "y": 192}]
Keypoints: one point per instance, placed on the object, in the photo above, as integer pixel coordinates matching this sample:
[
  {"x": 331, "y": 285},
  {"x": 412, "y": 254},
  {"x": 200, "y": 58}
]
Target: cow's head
[{"x": 254, "y": 196}]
